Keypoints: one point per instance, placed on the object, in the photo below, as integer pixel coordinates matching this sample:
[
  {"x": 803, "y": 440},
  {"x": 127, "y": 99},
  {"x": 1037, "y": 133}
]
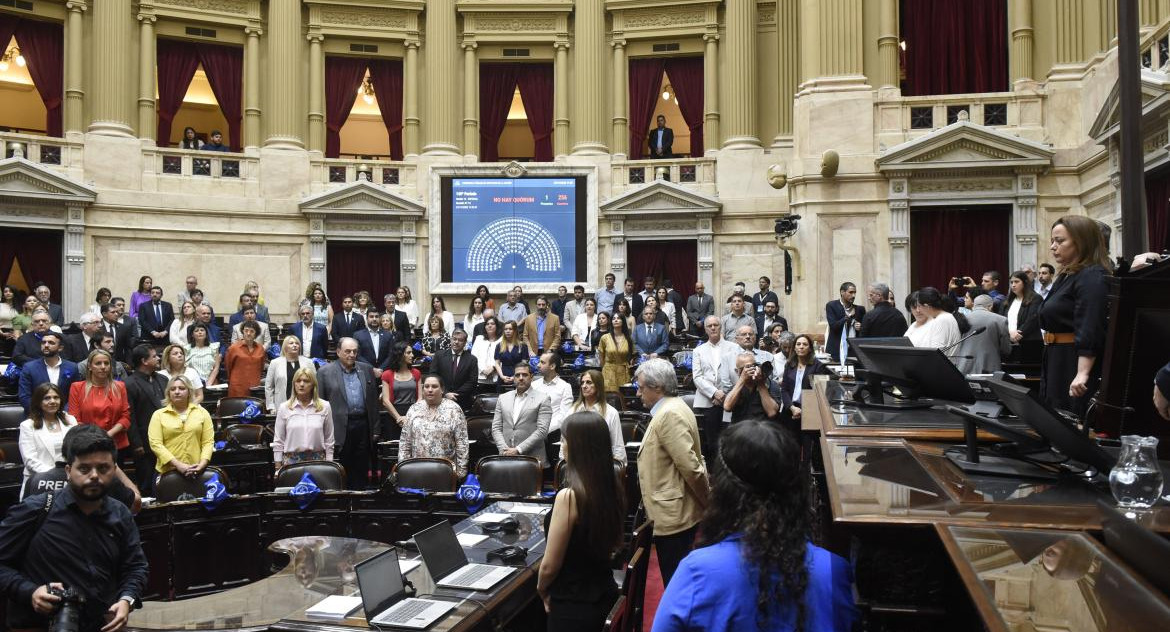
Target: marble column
[
  {"x": 741, "y": 19},
  {"x": 316, "y": 93},
  {"x": 711, "y": 138},
  {"x": 841, "y": 39},
  {"x": 74, "y": 107},
  {"x": 561, "y": 99},
  {"x": 621, "y": 88},
  {"x": 147, "y": 123},
  {"x": 1022, "y": 43},
  {"x": 285, "y": 125},
  {"x": 470, "y": 99},
  {"x": 440, "y": 98},
  {"x": 810, "y": 47},
  {"x": 788, "y": 65},
  {"x": 252, "y": 86},
  {"x": 588, "y": 67},
  {"x": 110, "y": 83},
  {"x": 1070, "y": 40},
  {"x": 410, "y": 122},
  {"x": 888, "y": 45}
]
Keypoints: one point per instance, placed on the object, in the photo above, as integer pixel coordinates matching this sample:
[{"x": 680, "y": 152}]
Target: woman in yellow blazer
[{"x": 181, "y": 434}]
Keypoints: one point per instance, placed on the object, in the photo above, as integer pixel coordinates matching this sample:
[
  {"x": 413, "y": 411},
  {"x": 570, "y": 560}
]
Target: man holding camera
[
  {"x": 76, "y": 552},
  {"x": 750, "y": 397}
]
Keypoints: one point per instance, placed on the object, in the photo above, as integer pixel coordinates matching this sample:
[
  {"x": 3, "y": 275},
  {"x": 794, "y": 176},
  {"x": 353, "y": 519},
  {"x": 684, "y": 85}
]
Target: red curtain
[
  {"x": 8, "y": 24},
  {"x": 43, "y": 47},
  {"x": 343, "y": 77},
  {"x": 536, "y": 91},
  {"x": 354, "y": 266},
  {"x": 386, "y": 77},
  {"x": 677, "y": 260},
  {"x": 177, "y": 62},
  {"x": 39, "y": 255},
  {"x": 497, "y": 85},
  {"x": 1158, "y": 211},
  {"x": 955, "y": 47},
  {"x": 686, "y": 77},
  {"x": 645, "y": 79},
  {"x": 958, "y": 242},
  {"x": 224, "y": 66}
]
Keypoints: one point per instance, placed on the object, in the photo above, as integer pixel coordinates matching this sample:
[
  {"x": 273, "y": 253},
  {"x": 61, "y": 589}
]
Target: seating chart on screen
[{"x": 513, "y": 235}]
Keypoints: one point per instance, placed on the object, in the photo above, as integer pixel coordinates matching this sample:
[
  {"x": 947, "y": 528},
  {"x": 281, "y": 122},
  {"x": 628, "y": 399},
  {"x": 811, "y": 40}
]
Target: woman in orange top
[
  {"x": 101, "y": 400},
  {"x": 245, "y": 361}
]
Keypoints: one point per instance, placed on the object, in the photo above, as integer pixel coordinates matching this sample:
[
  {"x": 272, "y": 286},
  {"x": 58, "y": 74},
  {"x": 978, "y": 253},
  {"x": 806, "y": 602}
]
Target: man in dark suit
[
  {"x": 632, "y": 297},
  {"x": 761, "y": 298},
  {"x": 401, "y": 320},
  {"x": 769, "y": 317},
  {"x": 56, "y": 314},
  {"x": 123, "y": 333},
  {"x": 155, "y": 318},
  {"x": 458, "y": 369},
  {"x": 313, "y": 336},
  {"x": 248, "y": 300},
  {"x": 844, "y": 317},
  {"x": 346, "y": 322},
  {"x": 355, "y": 421},
  {"x": 883, "y": 320},
  {"x": 700, "y": 305},
  {"x": 145, "y": 388},
  {"x": 374, "y": 344},
  {"x": 28, "y": 346},
  {"x": 661, "y": 140},
  {"x": 36, "y": 372},
  {"x": 650, "y": 338},
  {"x": 77, "y": 345}
]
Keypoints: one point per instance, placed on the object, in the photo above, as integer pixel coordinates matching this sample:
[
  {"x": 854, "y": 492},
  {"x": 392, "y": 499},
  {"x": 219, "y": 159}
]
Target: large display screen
[{"x": 513, "y": 230}]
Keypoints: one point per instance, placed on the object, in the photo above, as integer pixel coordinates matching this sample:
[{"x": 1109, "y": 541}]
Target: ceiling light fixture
[
  {"x": 12, "y": 55},
  {"x": 366, "y": 91}
]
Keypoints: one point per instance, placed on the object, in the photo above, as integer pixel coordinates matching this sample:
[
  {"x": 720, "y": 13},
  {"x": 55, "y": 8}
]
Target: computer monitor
[
  {"x": 1045, "y": 421},
  {"x": 918, "y": 372}
]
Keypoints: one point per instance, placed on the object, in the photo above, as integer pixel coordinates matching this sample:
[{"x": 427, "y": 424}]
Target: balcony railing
[
  {"x": 696, "y": 172},
  {"x": 899, "y": 119},
  {"x": 46, "y": 150},
  {"x": 165, "y": 162},
  {"x": 333, "y": 171}
]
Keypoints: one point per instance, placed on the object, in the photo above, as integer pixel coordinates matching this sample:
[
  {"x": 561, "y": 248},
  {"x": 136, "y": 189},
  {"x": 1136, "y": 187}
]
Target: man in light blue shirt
[
  {"x": 511, "y": 310},
  {"x": 606, "y": 295}
]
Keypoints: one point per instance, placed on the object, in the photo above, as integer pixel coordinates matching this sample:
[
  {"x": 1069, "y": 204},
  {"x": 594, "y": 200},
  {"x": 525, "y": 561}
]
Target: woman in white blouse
[
  {"x": 304, "y": 424},
  {"x": 592, "y": 399},
  {"x": 484, "y": 350},
  {"x": 185, "y": 318},
  {"x": 583, "y": 326},
  {"x": 439, "y": 308},
  {"x": 42, "y": 434},
  {"x": 277, "y": 385},
  {"x": 933, "y": 326},
  {"x": 407, "y": 304},
  {"x": 474, "y": 315},
  {"x": 174, "y": 362}
]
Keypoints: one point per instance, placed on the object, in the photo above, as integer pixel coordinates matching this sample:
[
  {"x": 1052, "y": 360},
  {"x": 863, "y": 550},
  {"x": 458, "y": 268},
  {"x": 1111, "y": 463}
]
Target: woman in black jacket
[
  {"x": 1022, "y": 309},
  {"x": 802, "y": 364}
]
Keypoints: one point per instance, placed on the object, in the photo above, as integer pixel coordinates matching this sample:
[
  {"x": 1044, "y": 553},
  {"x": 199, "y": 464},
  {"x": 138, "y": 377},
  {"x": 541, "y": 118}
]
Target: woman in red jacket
[{"x": 101, "y": 400}]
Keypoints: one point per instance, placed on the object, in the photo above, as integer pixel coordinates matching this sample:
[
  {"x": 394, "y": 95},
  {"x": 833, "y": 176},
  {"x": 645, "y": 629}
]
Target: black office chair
[
  {"x": 10, "y": 452},
  {"x": 689, "y": 398},
  {"x": 170, "y": 485},
  {"x": 513, "y": 475},
  {"x": 329, "y": 475},
  {"x": 430, "y": 473},
  {"x": 233, "y": 406},
  {"x": 246, "y": 434},
  {"x": 484, "y": 404},
  {"x": 615, "y": 400},
  {"x": 559, "y": 472},
  {"x": 10, "y": 418}
]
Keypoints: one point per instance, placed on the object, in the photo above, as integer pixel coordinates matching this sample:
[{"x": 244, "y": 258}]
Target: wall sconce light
[
  {"x": 366, "y": 91},
  {"x": 12, "y": 56}
]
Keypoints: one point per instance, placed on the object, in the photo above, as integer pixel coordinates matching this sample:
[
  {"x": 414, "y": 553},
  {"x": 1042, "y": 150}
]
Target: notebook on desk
[
  {"x": 384, "y": 596},
  {"x": 447, "y": 562}
]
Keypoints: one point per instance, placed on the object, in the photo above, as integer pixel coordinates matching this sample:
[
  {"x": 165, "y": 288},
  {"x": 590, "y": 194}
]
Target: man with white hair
[
  {"x": 984, "y": 353},
  {"x": 77, "y": 345},
  {"x": 671, "y": 471}
]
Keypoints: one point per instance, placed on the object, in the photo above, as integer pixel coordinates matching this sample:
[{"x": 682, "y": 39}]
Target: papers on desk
[
  {"x": 471, "y": 539},
  {"x": 535, "y": 510},
  {"x": 490, "y": 517},
  {"x": 215, "y": 387},
  {"x": 335, "y": 607}
]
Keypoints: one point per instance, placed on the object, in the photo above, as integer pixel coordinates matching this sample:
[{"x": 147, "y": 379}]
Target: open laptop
[
  {"x": 384, "y": 596},
  {"x": 447, "y": 562}
]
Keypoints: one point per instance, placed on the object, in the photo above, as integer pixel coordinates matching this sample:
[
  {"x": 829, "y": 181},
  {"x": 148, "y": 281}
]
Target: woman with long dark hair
[
  {"x": 142, "y": 295},
  {"x": 483, "y": 293},
  {"x": 584, "y": 530},
  {"x": 190, "y": 140},
  {"x": 613, "y": 355},
  {"x": 510, "y": 350},
  {"x": 42, "y": 434},
  {"x": 802, "y": 364},
  {"x": 937, "y": 328},
  {"x": 103, "y": 296},
  {"x": 401, "y": 383},
  {"x": 755, "y": 568},
  {"x": 474, "y": 314},
  {"x": 484, "y": 350},
  {"x": 1022, "y": 309},
  {"x": 439, "y": 308}
]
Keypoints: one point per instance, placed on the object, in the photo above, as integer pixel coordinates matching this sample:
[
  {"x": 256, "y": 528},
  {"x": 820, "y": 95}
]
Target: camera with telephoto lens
[
  {"x": 66, "y": 616},
  {"x": 765, "y": 369}
]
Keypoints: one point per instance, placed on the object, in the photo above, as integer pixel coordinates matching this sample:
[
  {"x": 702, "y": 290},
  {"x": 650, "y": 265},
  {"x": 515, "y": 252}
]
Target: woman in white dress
[
  {"x": 583, "y": 326},
  {"x": 439, "y": 308},
  {"x": 474, "y": 315},
  {"x": 42, "y": 434},
  {"x": 484, "y": 350}
]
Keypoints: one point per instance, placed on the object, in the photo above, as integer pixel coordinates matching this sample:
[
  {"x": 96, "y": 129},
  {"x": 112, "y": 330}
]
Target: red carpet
[{"x": 653, "y": 591}]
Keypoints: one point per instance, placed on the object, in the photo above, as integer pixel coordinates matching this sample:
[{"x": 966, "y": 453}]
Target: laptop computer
[
  {"x": 447, "y": 562},
  {"x": 384, "y": 596}
]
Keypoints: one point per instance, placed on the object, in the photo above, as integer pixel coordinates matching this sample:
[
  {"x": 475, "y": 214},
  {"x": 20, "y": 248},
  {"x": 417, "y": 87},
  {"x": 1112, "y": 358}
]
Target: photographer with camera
[
  {"x": 72, "y": 560},
  {"x": 750, "y": 398}
]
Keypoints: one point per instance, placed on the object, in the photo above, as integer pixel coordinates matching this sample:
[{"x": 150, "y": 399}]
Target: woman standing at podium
[{"x": 1073, "y": 315}]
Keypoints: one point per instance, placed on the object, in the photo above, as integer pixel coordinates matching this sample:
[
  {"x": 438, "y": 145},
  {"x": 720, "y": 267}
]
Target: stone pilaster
[
  {"x": 440, "y": 99},
  {"x": 788, "y": 66},
  {"x": 1070, "y": 39},
  {"x": 711, "y": 138},
  {"x": 285, "y": 83},
  {"x": 888, "y": 45},
  {"x": 110, "y": 83},
  {"x": 410, "y": 121},
  {"x": 470, "y": 99},
  {"x": 252, "y": 86},
  {"x": 316, "y": 93},
  {"x": 73, "y": 276},
  {"x": 1024, "y": 224},
  {"x": 1022, "y": 42},
  {"x": 589, "y": 66},
  {"x": 841, "y": 40},
  {"x": 810, "y": 41},
  {"x": 74, "y": 108},
  {"x": 740, "y": 109},
  {"x": 899, "y": 237},
  {"x": 147, "y": 123},
  {"x": 621, "y": 108},
  {"x": 561, "y": 99}
]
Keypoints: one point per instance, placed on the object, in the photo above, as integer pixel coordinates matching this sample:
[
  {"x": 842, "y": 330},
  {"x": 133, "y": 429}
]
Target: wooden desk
[{"x": 1031, "y": 579}]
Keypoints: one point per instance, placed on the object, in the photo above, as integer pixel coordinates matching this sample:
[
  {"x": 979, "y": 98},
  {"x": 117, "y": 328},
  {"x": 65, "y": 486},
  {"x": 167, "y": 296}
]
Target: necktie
[
  {"x": 158, "y": 312},
  {"x": 456, "y": 369}
]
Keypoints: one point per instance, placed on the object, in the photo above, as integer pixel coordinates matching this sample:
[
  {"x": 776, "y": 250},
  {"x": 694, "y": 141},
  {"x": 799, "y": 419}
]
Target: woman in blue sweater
[{"x": 755, "y": 568}]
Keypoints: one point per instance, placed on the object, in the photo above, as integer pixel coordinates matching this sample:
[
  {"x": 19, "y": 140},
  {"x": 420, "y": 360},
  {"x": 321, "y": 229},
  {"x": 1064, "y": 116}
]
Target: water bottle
[{"x": 1136, "y": 480}]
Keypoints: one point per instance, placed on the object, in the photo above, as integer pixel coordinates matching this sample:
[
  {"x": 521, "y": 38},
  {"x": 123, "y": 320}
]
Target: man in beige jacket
[{"x": 671, "y": 471}]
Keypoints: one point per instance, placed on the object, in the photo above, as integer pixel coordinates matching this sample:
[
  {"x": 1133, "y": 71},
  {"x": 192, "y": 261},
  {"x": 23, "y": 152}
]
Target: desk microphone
[{"x": 974, "y": 332}]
